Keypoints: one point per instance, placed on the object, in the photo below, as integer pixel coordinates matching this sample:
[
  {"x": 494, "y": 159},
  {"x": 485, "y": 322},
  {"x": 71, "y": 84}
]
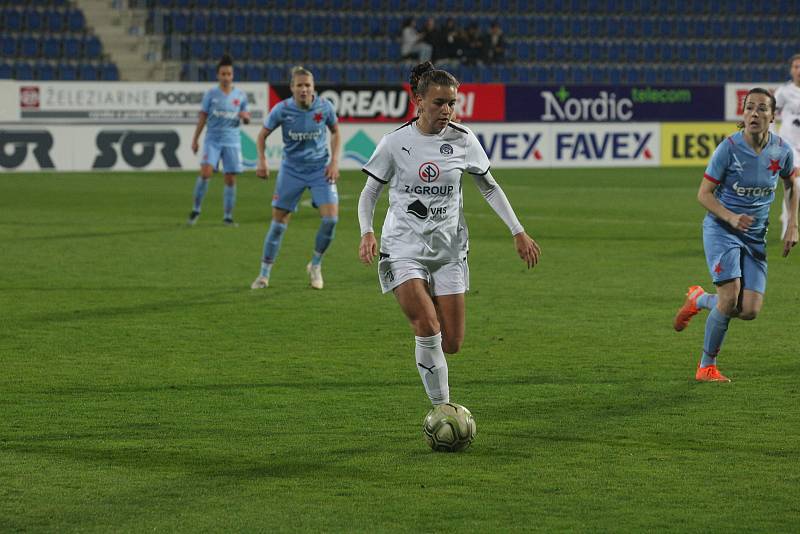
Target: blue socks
[
  {"x": 272, "y": 243},
  {"x": 200, "y": 188},
  {"x": 707, "y": 301},
  {"x": 716, "y": 327},
  {"x": 229, "y": 200},
  {"x": 327, "y": 229}
]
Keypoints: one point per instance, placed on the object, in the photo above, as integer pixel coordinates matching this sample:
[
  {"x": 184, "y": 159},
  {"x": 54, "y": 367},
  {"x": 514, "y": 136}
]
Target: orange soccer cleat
[
  {"x": 689, "y": 308},
  {"x": 710, "y": 374}
]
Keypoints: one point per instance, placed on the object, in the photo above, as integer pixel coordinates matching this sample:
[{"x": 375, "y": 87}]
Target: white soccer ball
[{"x": 449, "y": 428}]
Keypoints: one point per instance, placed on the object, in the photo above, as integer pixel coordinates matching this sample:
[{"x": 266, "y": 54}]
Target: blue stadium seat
[
  {"x": 6, "y": 71},
  {"x": 354, "y": 74},
  {"x": 253, "y": 72},
  {"x": 67, "y": 72},
  {"x": 220, "y": 22},
  {"x": 258, "y": 50},
  {"x": 216, "y": 49},
  {"x": 279, "y": 24},
  {"x": 199, "y": 24},
  {"x": 238, "y": 49},
  {"x": 198, "y": 49},
  {"x": 29, "y": 47},
  {"x": 276, "y": 74},
  {"x": 297, "y": 50},
  {"x": 72, "y": 47},
  {"x": 13, "y": 20},
  {"x": 8, "y": 46},
  {"x": 89, "y": 72},
  {"x": 51, "y": 47},
  {"x": 45, "y": 71},
  {"x": 109, "y": 73},
  {"x": 92, "y": 47},
  {"x": 241, "y": 24},
  {"x": 33, "y": 20},
  {"x": 372, "y": 73},
  {"x": 277, "y": 50},
  {"x": 355, "y": 51},
  {"x": 77, "y": 21}
]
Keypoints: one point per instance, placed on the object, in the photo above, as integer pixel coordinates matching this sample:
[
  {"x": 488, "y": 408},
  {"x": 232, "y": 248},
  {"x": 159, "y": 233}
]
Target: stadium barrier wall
[{"x": 78, "y": 126}]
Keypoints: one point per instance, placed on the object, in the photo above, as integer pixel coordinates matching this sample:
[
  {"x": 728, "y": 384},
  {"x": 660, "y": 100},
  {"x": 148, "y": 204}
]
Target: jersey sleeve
[
  {"x": 330, "y": 114},
  {"x": 477, "y": 162},
  {"x": 381, "y": 165},
  {"x": 205, "y": 105},
  {"x": 717, "y": 165},
  {"x": 275, "y": 117}
]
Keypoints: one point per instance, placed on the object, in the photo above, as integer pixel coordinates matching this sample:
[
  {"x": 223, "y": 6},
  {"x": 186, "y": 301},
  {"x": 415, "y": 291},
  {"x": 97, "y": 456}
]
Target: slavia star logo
[
  {"x": 774, "y": 165},
  {"x": 429, "y": 172},
  {"x": 718, "y": 268},
  {"x": 235, "y": 101},
  {"x": 317, "y": 117}
]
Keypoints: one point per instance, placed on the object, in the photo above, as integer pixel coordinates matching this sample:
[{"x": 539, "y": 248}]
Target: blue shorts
[
  {"x": 291, "y": 183},
  {"x": 231, "y": 157},
  {"x": 729, "y": 257}
]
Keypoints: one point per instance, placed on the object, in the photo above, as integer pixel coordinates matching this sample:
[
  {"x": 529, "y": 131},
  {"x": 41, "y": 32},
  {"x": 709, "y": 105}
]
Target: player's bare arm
[
  {"x": 201, "y": 123},
  {"x": 262, "y": 170},
  {"x": 705, "y": 195},
  {"x": 332, "y": 169},
  {"x": 791, "y": 186}
]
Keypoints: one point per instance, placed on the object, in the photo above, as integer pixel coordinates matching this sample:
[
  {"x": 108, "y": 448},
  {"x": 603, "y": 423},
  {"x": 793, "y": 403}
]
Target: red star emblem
[
  {"x": 774, "y": 165},
  {"x": 317, "y": 117},
  {"x": 718, "y": 268},
  {"x": 235, "y": 101}
]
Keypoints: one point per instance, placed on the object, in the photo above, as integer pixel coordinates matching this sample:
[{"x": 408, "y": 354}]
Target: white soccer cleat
[
  {"x": 262, "y": 282},
  {"x": 315, "y": 274}
]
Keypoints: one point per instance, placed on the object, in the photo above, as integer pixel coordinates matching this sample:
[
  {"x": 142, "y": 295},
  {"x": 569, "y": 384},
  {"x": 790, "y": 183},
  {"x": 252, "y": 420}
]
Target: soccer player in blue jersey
[
  {"x": 305, "y": 120},
  {"x": 737, "y": 190},
  {"x": 223, "y": 108}
]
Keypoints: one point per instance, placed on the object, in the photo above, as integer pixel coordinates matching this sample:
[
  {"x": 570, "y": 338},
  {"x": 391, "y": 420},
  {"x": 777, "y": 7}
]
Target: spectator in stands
[
  {"x": 432, "y": 36},
  {"x": 453, "y": 46},
  {"x": 495, "y": 44},
  {"x": 475, "y": 49},
  {"x": 412, "y": 44}
]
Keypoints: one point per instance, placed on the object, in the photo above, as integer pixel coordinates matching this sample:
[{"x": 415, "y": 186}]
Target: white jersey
[
  {"x": 425, "y": 219},
  {"x": 787, "y": 98}
]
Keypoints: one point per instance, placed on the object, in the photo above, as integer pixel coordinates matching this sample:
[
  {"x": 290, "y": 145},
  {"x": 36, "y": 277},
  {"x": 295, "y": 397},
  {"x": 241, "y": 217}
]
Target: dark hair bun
[{"x": 418, "y": 71}]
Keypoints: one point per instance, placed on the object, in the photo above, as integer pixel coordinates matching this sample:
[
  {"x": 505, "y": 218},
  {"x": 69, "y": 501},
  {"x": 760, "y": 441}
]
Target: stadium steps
[{"x": 137, "y": 56}]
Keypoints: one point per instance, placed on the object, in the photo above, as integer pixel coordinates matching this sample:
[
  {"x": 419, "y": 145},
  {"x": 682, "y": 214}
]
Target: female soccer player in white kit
[
  {"x": 424, "y": 245},
  {"x": 787, "y": 99}
]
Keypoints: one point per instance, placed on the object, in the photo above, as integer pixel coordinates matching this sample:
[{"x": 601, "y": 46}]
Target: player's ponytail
[
  {"x": 760, "y": 91},
  {"x": 417, "y": 72},
  {"x": 225, "y": 61}
]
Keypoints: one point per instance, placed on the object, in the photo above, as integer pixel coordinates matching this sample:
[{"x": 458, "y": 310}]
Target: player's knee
[
  {"x": 748, "y": 314},
  {"x": 727, "y": 306},
  {"x": 451, "y": 346},
  {"x": 230, "y": 179},
  {"x": 425, "y": 326}
]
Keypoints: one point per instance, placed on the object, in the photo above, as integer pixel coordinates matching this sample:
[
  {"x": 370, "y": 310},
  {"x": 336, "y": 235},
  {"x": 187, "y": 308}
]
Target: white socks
[{"x": 432, "y": 367}]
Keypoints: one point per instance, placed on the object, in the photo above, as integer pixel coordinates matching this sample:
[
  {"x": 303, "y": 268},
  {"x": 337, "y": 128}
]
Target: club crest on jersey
[
  {"x": 446, "y": 149},
  {"x": 429, "y": 172},
  {"x": 418, "y": 210},
  {"x": 235, "y": 101}
]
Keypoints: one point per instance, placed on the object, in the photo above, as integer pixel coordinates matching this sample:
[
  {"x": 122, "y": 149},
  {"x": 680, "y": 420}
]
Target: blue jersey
[
  {"x": 305, "y": 143},
  {"x": 746, "y": 180},
  {"x": 223, "y": 115}
]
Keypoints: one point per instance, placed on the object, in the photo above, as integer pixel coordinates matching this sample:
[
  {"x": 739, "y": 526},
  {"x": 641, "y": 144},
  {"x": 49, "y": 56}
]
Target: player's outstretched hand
[
  {"x": 789, "y": 240},
  {"x": 332, "y": 173},
  {"x": 368, "y": 248},
  {"x": 527, "y": 249},
  {"x": 741, "y": 221},
  {"x": 262, "y": 171},
  {"x": 245, "y": 116}
]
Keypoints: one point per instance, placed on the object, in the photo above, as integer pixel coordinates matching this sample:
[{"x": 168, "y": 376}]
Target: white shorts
[{"x": 450, "y": 278}]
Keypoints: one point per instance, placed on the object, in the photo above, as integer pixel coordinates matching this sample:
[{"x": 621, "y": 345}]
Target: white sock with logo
[{"x": 432, "y": 367}]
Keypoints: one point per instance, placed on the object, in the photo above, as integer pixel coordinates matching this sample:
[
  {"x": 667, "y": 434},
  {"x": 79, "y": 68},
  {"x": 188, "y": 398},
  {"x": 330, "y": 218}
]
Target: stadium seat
[
  {"x": 29, "y": 47},
  {"x": 67, "y": 72},
  {"x": 76, "y": 20},
  {"x": 32, "y": 20},
  {"x": 89, "y": 72},
  {"x": 92, "y": 48},
  {"x": 45, "y": 72},
  {"x": 8, "y": 46},
  {"x": 6, "y": 71}
]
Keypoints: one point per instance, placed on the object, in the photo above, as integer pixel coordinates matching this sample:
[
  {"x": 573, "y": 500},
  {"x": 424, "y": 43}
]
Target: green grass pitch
[{"x": 145, "y": 387}]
